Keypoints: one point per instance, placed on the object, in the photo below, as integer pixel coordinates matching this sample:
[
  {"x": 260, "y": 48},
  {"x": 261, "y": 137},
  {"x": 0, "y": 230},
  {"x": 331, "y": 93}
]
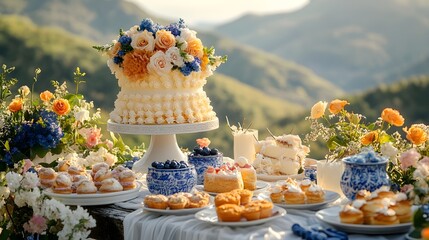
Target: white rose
[
  {"x": 187, "y": 34},
  {"x": 13, "y": 181},
  {"x": 24, "y": 91},
  {"x": 388, "y": 150},
  {"x": 82, "y": 115},
  {"x": 182, "y": 43},
  {"x": 159, "y": 63},
  {"x": 143, "y": 41},
  {"x": 173, "y": 55}
]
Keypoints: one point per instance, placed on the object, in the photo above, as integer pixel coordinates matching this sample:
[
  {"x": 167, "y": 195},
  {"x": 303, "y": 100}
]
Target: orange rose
[
  {"x": 16, "y": 105},
  {"x": 61, "y": 106},
  {"x": 204, "y": 62},
  {"x": 164, "y": 40},
  {"x": 203, "y": 142},
  {"x": 46, "y": 96},
  {"x": 369, "y": 138},
  {"x": 392, "y": 116},
  {"x": 318, "y": 110},
  {"x": 337, "y": 105},
  {"x": 416, "y": 135},
  {"x": 195, "y": 48}
]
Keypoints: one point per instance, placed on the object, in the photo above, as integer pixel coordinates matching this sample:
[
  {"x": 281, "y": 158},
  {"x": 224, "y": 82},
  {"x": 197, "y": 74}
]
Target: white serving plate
[
  {"x": 330, "y": 196},
  {"x": 331, "y": 217},
  {"x": 95, "y": 198},
  {"x": 260, "y": 186},
  {"x": 209, "y": 216}
]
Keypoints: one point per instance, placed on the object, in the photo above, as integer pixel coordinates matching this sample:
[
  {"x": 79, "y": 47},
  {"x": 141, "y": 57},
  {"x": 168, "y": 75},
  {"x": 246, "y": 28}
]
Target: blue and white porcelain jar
[
  {"x": 366, "y": 171},
  {"x": 201, "y": 164},
  {"x": 171, "y": 181}
]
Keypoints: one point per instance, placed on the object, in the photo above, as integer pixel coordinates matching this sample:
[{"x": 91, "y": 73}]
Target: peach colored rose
[
  {"x": 337, "y": 105},
  {"x": 143, "y": 41},
  {"x": 318, "y": 110},
  {"x": 392, "y": 117},
  {"x": 195, "y": 48},
  {"x": 61, "y": 106},
  {"x": 46, "y": 96},
  {"x": 92, "y": 136},
  {"x": 203, "y": 142},
  {"x": 369, "y": 138},
  {"x": 164, "y": 40},
  {"x": 16, "y": 105},
  {"x": 135, "y": 64},
  {"x": 416, "y": 135}
]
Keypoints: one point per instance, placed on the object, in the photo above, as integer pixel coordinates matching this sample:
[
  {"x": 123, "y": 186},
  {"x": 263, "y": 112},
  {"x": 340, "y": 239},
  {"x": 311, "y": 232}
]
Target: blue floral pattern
[
  {"x": 358, "y": 176},
  {"x": 201, "y": 164},
  {"x": 171, "y": 181}
]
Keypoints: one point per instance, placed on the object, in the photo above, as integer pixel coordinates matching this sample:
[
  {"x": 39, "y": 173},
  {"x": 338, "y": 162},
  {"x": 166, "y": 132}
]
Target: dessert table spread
[{"x": 142, "y": 224}]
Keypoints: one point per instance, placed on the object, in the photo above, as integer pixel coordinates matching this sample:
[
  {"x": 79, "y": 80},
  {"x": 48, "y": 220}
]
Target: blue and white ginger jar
[
  {"x": 171, "y": 181},
  {"x": 201, "y": 164}
]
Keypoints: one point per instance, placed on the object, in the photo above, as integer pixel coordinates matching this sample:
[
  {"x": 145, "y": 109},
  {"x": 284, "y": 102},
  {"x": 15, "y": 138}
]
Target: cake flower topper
[
  {"x": 152, "y": 48},
  {"x": 203, "y": 142}
]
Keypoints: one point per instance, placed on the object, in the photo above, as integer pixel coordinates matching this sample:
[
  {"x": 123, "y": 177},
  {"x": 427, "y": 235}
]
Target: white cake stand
[{"x": 163, "y": 143}]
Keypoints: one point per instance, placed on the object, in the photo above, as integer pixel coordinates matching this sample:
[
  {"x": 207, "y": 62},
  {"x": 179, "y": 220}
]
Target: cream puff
[
  {"x": 402, "y": 207},
  {"x": 62, "y": 184},
  {"x": 63, "y": 166},
  {"x": 86, "y": 187},
  {"x": 98, "y": 166},
  {"x": 101, "y": 175},
  {"x": 110, "y": 185},
  {"x": 305, "y": 184},
  {"x": 276, "y": 194},
  {"x": 127, "y": 178},
  {"x": 351, "y": 215},
  {"x": 294, "y": 195},
  {"x": 47, "y": 177},
  {"x": 315, "y": 194},
  {"x": 384, "y": 217}
]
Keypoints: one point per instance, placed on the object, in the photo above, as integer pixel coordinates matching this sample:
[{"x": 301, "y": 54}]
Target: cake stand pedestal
[{"x": 163, "y": 144}]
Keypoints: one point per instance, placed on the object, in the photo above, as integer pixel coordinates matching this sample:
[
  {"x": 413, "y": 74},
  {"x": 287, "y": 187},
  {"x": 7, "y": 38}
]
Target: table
[{"x": 140, "y": 224}]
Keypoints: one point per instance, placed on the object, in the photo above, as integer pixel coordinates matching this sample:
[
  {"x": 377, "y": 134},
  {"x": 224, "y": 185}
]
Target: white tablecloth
[{"x": 147, "y": 225}]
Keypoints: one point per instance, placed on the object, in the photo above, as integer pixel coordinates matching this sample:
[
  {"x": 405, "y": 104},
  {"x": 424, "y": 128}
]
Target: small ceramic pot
[
  {"x": 359, "y": 176},
  {"x": 171, "y": 181}
]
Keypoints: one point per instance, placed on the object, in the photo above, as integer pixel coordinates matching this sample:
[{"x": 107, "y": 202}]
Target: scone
[
  {"x": 245, "y": 195},
  {"x": 177, "y": 201},
  {"x": 266, "y": 207},
  {"x": 229, "y": 213},
  {"x": 198, "y": 200},
  {"x": 156, "y": 201},
  {"x": 251, "y": 212},
  {"x": 227, "y": 198}
]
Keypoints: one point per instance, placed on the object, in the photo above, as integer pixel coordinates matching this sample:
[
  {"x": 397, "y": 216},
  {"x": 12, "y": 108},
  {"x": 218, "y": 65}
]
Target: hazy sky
[{"x": 215, "y": 11}]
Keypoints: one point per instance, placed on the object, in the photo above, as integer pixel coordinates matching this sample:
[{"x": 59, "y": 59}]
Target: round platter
[
  {"x": 163, "y": 129},
  {"x": 95, "y": 198}
]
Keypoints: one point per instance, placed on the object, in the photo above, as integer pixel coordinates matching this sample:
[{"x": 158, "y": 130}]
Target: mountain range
[{"x": 354, "y": 44}]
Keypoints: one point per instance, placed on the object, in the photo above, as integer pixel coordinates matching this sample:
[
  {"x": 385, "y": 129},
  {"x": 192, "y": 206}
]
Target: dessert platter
[
  {"x": 95, "y": 198},
  {"x": 331, "y": 217},
  {"x": 209, "y": 216}
]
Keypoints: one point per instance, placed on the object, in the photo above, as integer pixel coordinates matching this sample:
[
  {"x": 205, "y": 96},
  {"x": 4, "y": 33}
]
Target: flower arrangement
[
  {"x": 45, "y": 129},
  {"x": 151, "y": 48},
  {"x": 347, "y": 133}
]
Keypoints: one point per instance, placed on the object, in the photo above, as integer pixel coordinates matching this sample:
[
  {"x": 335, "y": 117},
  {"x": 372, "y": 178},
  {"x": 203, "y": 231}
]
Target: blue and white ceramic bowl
[
  {"x": 201, "y": 164},
  {"x": 363, "y": 175},
  {"x": 171, "y": 181}
]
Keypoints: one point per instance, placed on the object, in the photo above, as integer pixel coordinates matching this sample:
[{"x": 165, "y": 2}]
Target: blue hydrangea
[
  {"x": 124, "y": 40},
  {"x": 121, "y": 53},
  {"x": 147, "y": 24},
  {"x": 118, "y": 60},
  {"x": 195, "y": 65},
  {"x": 44, "y": 131},
  {"x": 186, "y": 69},
  {"x": 174, "y": 28}
]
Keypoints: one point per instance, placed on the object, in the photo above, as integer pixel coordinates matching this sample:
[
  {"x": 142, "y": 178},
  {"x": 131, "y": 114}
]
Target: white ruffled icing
[
  {"x": 358, "y": 203},
  {"x": 348, "y": 208},
  {"x": 387, "y": 212},
  {"x": 292, "y": 188},
  {"x": 314, "y": 188}
]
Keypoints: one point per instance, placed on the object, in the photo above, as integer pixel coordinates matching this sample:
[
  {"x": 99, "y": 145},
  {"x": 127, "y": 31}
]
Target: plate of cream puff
[
  {"x": 74, "y": 185},
  {"x": 378, "y": 212},
  {"x": 181, "y": 203},
  {"x": 304, "y": 194},
  {"x": 238, "y": 208}
]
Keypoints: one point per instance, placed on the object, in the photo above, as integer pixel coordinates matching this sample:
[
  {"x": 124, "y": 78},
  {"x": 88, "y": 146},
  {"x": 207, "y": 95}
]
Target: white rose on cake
[
  {"x": 173, "y": 55},
  {"x": 188, "y": 34},
  {"x": 143, "y": 40},
  {"x": 159, "y": 64}
]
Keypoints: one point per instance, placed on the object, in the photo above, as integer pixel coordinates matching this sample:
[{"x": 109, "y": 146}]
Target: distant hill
[
  {"x": 354, "y": 44},
  {"x": 101, "y": 20}
]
